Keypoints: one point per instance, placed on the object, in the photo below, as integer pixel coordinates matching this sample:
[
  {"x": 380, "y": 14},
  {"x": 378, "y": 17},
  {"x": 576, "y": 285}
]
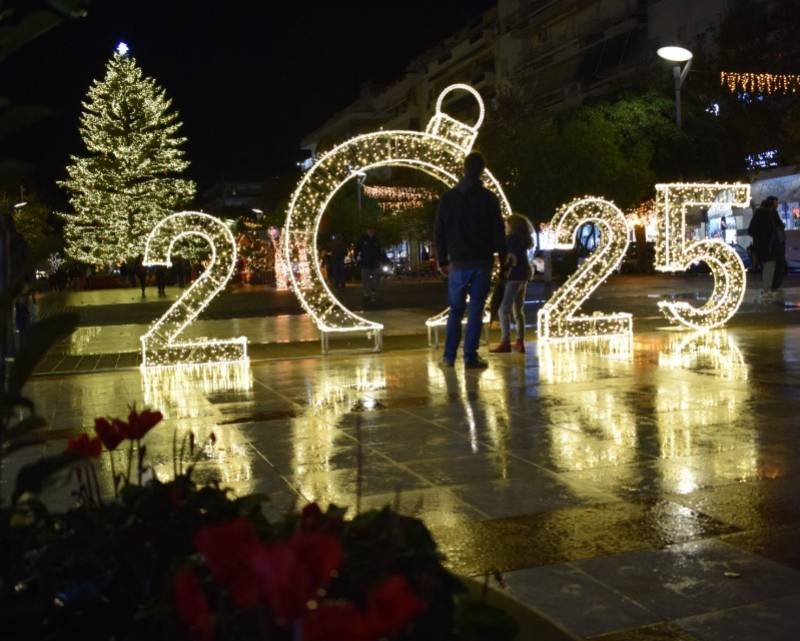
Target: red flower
[
  {"x": 112, "y": 433},
  {"x": 192, "y": 606},
  {"x": 141, "y": 423},
  {"x": 391, "y": 605},
  {"x": 291, "y": 572},
  {"x": 229, "y": 549},
  {"x": 336, "y": 621},
  {"x": 312, "y": 519},
  {"x": 84, "y": 446}
]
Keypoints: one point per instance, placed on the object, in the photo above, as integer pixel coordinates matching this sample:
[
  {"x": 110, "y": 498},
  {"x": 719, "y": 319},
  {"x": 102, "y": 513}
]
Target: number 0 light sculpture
[
  {"x": 438, "y": 151},
  {"x": 161, "y": 344}
]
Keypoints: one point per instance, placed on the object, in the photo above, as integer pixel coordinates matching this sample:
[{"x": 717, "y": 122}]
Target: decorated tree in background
[{"x": 130, "y": 176}]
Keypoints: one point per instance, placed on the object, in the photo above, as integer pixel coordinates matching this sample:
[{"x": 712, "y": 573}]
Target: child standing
[{"x": 519, "y": 238}]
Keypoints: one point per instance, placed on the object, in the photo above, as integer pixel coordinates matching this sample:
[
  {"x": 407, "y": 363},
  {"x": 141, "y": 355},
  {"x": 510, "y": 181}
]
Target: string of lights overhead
[{"x": 764, "y": 83}]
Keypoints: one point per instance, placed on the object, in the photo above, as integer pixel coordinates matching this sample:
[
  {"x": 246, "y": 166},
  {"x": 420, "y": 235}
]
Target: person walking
[
  {"x": 468, "y": 232},
  {"x": 141, "y": 273},
  {"x": 161, "y": 280},
  {"x": 519, "y": 240},
  {"x": 337, "y": 250},
  {"x": 369, "y": 254},
  {"x": 769, "y": 246}
]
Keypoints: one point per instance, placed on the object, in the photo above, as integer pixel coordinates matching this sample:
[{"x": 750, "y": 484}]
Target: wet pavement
[{"x": 648, "y": 491}]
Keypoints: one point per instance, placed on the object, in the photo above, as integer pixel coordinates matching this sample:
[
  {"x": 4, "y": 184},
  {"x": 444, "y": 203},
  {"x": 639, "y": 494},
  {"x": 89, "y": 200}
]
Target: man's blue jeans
[{"x": 460, "y": 283}]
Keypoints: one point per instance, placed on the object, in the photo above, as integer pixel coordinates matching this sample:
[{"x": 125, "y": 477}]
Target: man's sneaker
[
  {"x": 478, "y": 363},
  {"x": 518, "y": 346},
  {"x": 446, "y": 362},
  {"x": 503, "y": 347}
]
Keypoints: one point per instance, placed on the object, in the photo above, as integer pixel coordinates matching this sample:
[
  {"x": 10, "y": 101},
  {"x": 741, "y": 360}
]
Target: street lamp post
[{"x": 677, "y": 55}]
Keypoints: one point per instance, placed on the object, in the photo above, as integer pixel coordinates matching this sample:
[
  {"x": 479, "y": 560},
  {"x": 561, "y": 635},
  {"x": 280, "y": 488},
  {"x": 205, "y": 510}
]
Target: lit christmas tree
[{"x": 129, "y": 179}]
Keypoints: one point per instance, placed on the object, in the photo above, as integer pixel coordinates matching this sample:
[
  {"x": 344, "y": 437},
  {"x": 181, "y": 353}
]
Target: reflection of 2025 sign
[{"x": 440, "y": 151}]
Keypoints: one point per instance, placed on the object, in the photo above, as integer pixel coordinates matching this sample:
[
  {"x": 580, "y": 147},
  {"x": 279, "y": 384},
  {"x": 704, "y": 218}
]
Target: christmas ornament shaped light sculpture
[
  {"x": 558, "y": 319},
  {"x": 161, "y": 345},
  {"x": 439, "y": 151},
  {"x": 675, "y": 252}
]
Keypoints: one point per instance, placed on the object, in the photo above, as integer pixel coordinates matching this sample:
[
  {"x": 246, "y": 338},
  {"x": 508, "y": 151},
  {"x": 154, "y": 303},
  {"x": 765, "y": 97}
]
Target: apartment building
[{"x": 555, "y": 53}]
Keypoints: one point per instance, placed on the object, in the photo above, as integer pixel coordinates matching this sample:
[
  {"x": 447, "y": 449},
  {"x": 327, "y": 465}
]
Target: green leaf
[
  {"x": 26, "y": 425},
  {"x": 21, "y": 444},
  {"x": 39, "y": 339}
]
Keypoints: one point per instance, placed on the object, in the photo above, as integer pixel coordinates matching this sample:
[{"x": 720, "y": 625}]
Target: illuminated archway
[{"x": 438, "y": 151}]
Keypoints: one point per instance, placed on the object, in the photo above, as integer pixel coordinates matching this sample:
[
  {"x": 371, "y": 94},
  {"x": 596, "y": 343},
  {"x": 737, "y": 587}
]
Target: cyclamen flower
[
  {"x": 84, "y": 446},
  {"x": 192, "y": 605},
  {"x": 112, "y": 433},
  {"x": 140, "y": 423}
]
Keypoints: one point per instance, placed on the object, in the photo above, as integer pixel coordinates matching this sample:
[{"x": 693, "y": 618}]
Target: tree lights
[
  {"x": 129, "y": 178},
  {"x": 439, "y": 151},
  {"x": 675, "y": 252},
  {"x": 557, "y": 319},
  {"x": 161, "y": 344}
]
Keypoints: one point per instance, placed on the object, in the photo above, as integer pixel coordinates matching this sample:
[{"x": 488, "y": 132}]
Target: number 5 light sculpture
[
  {"x": 675, "y": 252},
  {"x": 439, "y": 151},
  {"x": 161, "y": 344}
]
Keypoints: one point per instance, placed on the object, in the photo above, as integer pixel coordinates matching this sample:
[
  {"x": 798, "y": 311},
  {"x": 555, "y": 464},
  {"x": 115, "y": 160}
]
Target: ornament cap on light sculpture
[
  {"x": 439, "y": 151},
  {"x": 122, "y": 48}
]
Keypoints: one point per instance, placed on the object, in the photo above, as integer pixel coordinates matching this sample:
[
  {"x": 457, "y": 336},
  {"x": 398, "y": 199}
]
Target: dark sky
[{"x": 250, "y": 77}]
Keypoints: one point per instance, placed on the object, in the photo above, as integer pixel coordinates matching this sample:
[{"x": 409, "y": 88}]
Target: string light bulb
[{"x": 763, "y": 83}]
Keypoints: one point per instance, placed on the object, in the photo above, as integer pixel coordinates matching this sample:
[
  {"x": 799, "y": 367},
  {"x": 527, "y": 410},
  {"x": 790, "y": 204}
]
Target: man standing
[
  {"x": 469, "y": 231},
  {"x": 337, "y": 250},
  {"x": 769, "y": 247},
  {"x": 369, "y": 254}
]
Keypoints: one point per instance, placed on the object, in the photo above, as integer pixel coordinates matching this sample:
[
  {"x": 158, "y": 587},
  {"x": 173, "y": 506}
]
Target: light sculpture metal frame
[
  {"x": 438, "y": 151},
  {"x": 162, "y": 345},
  {"x": 676, "y": 253}
]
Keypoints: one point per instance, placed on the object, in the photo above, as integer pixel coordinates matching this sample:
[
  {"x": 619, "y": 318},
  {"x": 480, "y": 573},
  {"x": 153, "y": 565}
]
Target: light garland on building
[
  {"x": 396, "y": 199},
  {"x": 764, "y": 83},
  {"x": 644, "y": 215},
  {"x": 557, "y": 319},
  {"x": 161, "y": 345},
  {"x": 439, "y": 152},
  {"x": 676, "y": 253}
]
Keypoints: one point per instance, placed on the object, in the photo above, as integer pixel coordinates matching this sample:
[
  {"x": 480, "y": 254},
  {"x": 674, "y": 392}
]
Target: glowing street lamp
[{"x": 677, "y": 55}]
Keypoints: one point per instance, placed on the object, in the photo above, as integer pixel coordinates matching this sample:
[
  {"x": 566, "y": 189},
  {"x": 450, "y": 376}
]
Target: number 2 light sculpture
[
  {"x": 675, "y": 252},
  {"x": 161, "y": 345},
  {"x": 558, "y": 319},
  {"x": 438, "y": 151}
]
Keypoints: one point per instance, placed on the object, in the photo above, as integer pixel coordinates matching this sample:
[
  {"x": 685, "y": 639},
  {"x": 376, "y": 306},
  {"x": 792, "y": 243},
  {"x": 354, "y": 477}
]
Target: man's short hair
[{"x": 474, "y": 164}]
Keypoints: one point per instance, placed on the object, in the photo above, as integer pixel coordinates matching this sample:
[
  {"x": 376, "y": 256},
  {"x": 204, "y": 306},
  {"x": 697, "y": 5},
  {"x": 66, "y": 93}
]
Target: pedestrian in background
[
  {"x": 141, "y": 273},
  {"x": 769, "y": 247},
  {"x": 337, "y": 250},
  {"x": 519, "y": 239},
  {"x": 369, "y": 256},
  {"x": 468, "y": 232}
]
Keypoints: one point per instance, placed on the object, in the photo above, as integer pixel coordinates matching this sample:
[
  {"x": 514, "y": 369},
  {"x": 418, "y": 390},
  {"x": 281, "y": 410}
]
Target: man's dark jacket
[
  {"x": 767, "y": 231},
  {"x": 368, "y": 252},
  {"x": 469, "y": 227}
]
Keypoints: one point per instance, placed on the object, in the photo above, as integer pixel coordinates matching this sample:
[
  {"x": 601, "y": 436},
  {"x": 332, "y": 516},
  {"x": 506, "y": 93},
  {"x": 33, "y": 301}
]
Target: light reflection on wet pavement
[{"x": 647, "y": 491}]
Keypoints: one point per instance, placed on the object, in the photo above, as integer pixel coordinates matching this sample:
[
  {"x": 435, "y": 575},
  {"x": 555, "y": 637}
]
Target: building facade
[{"x": 554, "y": 53}]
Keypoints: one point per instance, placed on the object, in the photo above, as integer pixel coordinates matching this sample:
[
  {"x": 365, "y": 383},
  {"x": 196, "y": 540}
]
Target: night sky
[{"x": 249, "y": 78}]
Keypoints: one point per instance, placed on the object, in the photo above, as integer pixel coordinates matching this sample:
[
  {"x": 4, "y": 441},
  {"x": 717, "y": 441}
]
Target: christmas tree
[{"x": 129, "y": 179}]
